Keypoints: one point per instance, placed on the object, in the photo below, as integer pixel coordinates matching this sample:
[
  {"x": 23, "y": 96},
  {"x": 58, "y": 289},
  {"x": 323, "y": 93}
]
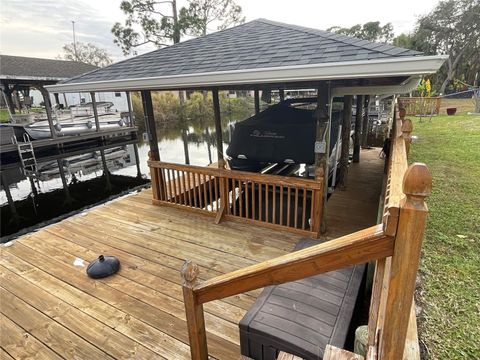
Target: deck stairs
[{"x": 27, "y": 155}]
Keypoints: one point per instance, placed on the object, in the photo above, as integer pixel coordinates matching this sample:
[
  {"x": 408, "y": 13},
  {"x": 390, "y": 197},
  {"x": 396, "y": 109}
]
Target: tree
[
  {"x": 403, "y": 40},
  {"x": 159, "y": 23},
  {"x": 200, "y": 14},
  {"x": 452, "y": 28},
  {"x": 371, "y": 31},
  {"x": 87, "y": 53}
]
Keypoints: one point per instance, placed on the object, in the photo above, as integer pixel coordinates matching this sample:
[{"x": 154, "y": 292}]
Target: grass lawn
[
  {"x": 4, "y": 117},
  {"x": 450, "y": 268}
]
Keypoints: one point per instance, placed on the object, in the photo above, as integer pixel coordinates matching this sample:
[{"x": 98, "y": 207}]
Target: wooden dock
[{"x": 51, "y": 309}]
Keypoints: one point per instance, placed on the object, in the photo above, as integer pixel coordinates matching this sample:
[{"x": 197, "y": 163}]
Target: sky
[{"x": 39, "y": 28}]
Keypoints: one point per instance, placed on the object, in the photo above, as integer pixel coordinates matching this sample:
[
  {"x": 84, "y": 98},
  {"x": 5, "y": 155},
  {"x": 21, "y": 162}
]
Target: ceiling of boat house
[
  {"x": 264, "y": 55},
  {"x": 19, "y": 70}
]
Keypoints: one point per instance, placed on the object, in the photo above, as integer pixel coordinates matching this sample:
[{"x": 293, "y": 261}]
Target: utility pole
[{"x": 74, "y": 41}]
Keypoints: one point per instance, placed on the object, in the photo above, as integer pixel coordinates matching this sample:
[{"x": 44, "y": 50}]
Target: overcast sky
[{"x": 39, "y": 28}]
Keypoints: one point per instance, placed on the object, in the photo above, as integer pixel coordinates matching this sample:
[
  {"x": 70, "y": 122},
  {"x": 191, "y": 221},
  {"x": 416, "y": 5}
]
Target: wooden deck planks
[{"x": 139, "y": 313}]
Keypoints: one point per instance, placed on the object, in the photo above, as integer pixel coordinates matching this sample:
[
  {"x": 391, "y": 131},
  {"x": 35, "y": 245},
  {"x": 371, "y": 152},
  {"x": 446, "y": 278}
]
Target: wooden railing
[
  {"x": 420, "y": 105},
  {"x": 394, "y": 245},
  {"x": 274, "y": 201}
]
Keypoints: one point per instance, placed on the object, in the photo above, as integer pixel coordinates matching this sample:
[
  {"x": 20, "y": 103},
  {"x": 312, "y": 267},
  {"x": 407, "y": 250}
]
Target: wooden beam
[
  {"x": 346, "y": 126},
  {"x": 358, "y": 129},
  {"x": 150, "y": 123},
  {"x": 257, "y": 101},
  {"x": 95, "y": 112},
  {"x": 218, "y": 128},
  {"x": 334, "y": 353},
  {"x": 417, "y": 185},
  {"x": 359, "y": 247}
]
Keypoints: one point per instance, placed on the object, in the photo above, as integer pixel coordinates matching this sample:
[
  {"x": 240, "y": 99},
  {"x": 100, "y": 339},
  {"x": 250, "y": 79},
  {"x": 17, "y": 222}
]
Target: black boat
[{"x": 283, "y": 134}]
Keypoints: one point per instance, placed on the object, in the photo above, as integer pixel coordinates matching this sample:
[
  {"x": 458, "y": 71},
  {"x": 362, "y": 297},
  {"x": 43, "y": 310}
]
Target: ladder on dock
[{"x": 27, "y": 155}]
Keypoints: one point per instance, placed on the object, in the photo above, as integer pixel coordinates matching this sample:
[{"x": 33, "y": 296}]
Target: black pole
[
  {"x": 358, "y": 129},
  {"x": 257, "y": 101},
  {"x": 281, "y": 94},
  {"x": 150, "y": 123},
  {"x": 218, "y": 128}
]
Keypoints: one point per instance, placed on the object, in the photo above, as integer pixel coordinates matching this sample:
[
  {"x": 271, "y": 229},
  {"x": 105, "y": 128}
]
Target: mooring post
[
  {"x": 417, "y": 185},
  {"x": 194, "y": 313}
]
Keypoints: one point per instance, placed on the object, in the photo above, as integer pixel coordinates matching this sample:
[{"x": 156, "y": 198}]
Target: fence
[{"x": 280, "y": 202}]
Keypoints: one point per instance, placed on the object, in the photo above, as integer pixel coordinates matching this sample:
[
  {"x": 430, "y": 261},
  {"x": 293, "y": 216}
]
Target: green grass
[
  {"x": 450, "y": 286},
  {"x": 4, "y": 117}
]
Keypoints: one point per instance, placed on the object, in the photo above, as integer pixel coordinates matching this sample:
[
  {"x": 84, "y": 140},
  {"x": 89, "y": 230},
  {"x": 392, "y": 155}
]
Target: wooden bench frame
[{"x": 394, "y": 245}]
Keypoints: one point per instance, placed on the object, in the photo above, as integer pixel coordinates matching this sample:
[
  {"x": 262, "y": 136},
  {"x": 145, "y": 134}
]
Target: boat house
[{"x": 233, "y": 233}]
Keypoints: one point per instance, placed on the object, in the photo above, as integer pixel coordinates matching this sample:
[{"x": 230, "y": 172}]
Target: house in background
[{"x": 22, "y": 81}]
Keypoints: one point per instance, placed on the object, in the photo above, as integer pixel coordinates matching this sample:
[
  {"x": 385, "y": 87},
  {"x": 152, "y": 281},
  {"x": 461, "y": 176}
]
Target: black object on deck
[
  {"x": 103, "y": 266},
  {"x": 302, "y": 317}
]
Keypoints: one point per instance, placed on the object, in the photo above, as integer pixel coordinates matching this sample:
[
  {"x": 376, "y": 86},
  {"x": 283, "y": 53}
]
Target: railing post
[
  {"x": 194, "y": 313},
  {"x": 407, "y": 128},
  {"x": 154, "y": 178},
  {"x": 417, "y": 185},
  {"x": 317, "y": 203}
]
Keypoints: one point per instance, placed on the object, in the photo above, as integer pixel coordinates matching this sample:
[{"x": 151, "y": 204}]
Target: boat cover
[{"x": 279, "y": 134}]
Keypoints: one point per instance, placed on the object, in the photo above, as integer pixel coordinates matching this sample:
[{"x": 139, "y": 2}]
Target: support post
[
  {"x": 57, "y": 99},
  {"x": 358, "y": 129},
  {"x": 130, "y": 110},
  {"x": 8, "y": 98},
  {"x": 322, "y": 147},
  {"x": 417, "y": 185},
  {"x": 69, "y": 199},
  {"x": 137, "y": 160},
  {"x": 218, "y": 128},
  {"x": 257, "y": 101},
  {"x": 95, "y": 112},
  {"x": 106, "y": 172},
  {"x": 150, "y": 123},
  {"x": 65, "y": 100},
  {"x": 407, "y": 128},
  {"x": 365, "y": 122},
  {"x": 11, "y": 203},
  {"x": 281, "y": 94},
  {"x": 346, "y": 126},
  {"x": 48, "y": 110},
  {"x": 194, "y": 313}
]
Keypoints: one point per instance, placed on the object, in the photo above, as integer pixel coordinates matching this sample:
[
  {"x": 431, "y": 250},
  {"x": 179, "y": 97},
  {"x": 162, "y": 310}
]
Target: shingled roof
[
  {"x": 251, "y": 47},
  {"x": 27, "y": 68}
]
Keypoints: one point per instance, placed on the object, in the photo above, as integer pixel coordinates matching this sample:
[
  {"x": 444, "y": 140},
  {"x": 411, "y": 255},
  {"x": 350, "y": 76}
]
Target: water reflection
[{"x": 67, "y": 184}]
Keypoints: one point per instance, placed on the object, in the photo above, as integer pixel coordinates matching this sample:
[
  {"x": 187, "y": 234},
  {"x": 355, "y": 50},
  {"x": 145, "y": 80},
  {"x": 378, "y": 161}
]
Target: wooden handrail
[
  {"x": 359, "y": 247},
  {"x": 241, "y": 175}
]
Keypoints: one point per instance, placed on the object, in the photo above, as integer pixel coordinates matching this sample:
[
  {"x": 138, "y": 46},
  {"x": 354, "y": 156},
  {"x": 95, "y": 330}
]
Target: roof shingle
[{"x": 257, "y": 44}]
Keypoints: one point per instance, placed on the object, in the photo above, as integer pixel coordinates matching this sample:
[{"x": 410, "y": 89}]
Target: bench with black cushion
[{"x": 302, "y": 317}]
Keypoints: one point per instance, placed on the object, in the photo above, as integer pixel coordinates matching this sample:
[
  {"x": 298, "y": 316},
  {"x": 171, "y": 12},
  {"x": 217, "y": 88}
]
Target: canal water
[{"x": 47, "y": 197}]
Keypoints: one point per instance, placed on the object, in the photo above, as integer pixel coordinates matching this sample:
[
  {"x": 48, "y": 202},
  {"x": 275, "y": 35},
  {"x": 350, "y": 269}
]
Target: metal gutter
[
  {"x": 407, "y": 86},
  {"x": 400, "y": 66}
]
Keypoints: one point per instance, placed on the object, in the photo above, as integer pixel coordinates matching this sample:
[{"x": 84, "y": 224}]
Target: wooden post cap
[
  {"x": 417, "y": 181},
  {"x": 189, "y": 273},
  {"x": 407, "y": 126},
  {"x": 402, "y": 113}
]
